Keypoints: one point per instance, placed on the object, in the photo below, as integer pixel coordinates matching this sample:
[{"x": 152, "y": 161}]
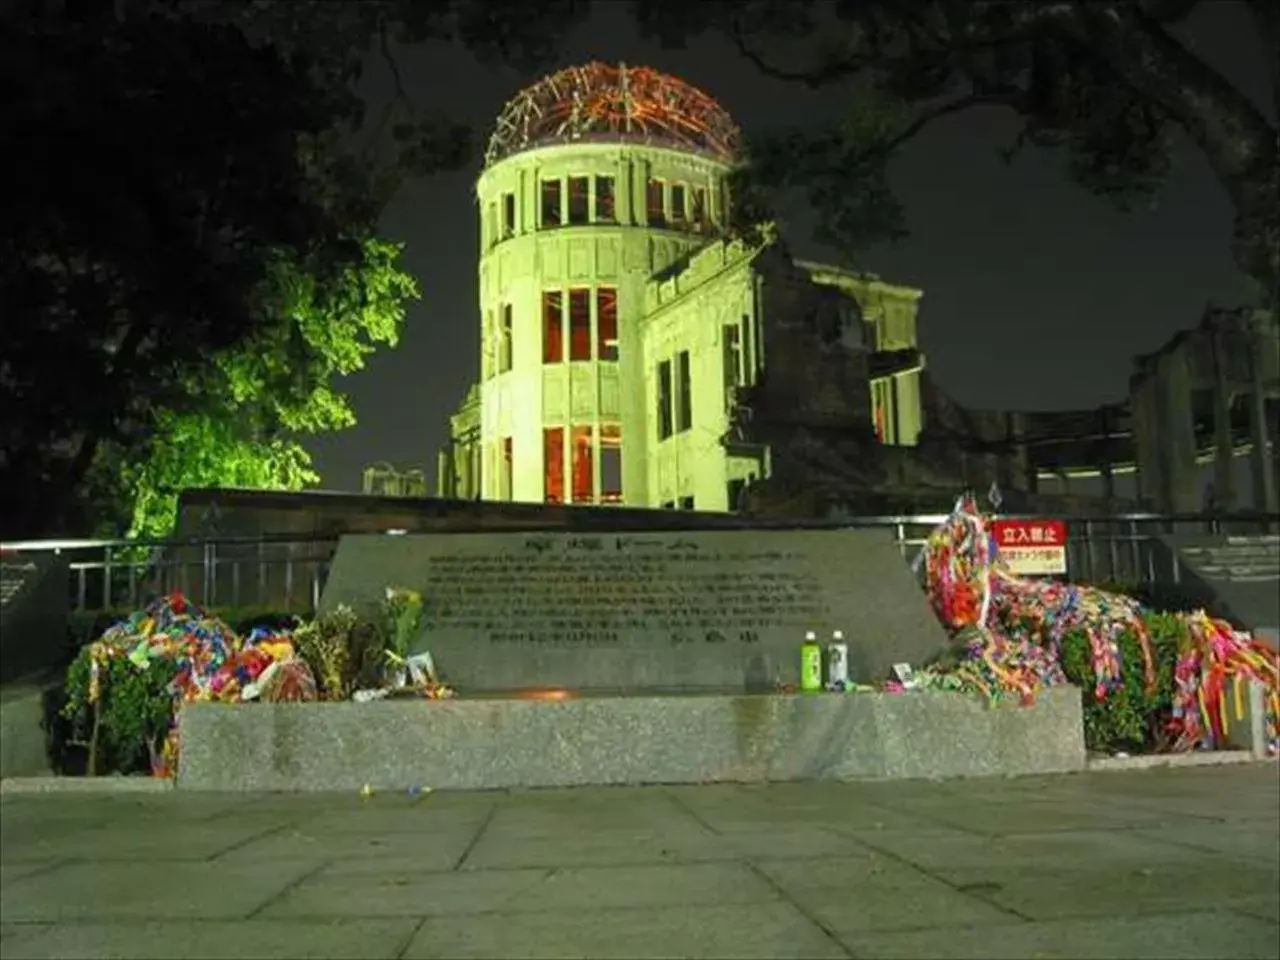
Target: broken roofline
[{"x": 819, "y": 272}]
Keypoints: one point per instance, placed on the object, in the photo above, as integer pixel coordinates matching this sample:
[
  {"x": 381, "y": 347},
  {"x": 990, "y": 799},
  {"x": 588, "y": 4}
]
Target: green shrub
[
  {"x": 136, "y": 707},
  {"x": 131, "y": 719},
  {"x": 1128, "y": 718}
]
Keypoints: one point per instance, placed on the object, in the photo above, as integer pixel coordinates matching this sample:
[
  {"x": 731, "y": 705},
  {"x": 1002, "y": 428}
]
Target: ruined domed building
[
  {"x": 640, "y": 346},
  {"x": 626, "y": 328}
]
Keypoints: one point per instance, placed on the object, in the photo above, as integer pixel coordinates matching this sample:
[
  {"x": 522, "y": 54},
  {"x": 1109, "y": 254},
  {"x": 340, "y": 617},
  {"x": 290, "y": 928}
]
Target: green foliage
[
  {"x": 257, "y": 398},
  {"x": 131, "y": 719},
  {"x": 227, "y": 216},
  {"x": 344, "y": 652},
  {"x": 121, "y": 277},
  {"x": 1130, "y": 718},
  {"x": 137, "y": 706},
  {"x": 401, "y": 617}
]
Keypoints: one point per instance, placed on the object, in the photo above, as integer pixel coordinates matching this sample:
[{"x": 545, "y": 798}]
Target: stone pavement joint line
[{"x": 1167, "y": 862}]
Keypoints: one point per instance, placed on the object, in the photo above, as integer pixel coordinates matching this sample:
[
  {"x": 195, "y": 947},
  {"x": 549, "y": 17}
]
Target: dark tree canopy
[
  {"x": 196, "y": 204},
  {"x": 1104, "y": 80}
]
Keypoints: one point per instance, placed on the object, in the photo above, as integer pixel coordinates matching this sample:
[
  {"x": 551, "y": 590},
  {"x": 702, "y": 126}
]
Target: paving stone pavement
[{"x": 1158, "y": 863}]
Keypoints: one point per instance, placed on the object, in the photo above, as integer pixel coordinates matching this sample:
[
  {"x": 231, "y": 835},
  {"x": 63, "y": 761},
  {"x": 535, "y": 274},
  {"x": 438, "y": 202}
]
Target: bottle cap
[
  {"x": 838, "y": 635},
  {"x": 810, "y": 635}
]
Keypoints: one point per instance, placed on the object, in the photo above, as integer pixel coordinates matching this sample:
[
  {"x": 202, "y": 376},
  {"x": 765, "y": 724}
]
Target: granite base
[{"x": 520, "y": 743}]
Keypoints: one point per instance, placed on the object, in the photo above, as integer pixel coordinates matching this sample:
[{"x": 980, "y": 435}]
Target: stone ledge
[
  {"x": 510, "y": 743},
  {"x": 111, "y": 784},
  {"x": 1196, "y": 758}
]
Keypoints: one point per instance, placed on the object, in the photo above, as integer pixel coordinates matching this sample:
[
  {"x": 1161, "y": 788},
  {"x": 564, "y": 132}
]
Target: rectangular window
[
  {"x": 553, "y": 464},
  {"x": 491, "y": 224},
  {"x": 686, "y": 503},
  {"x": 698, "y": 206},
  {"x": 579, "y": 324},
  {"x": 504, "y": 340},
  {"x": 732, "y": 334},
  {"x": 669, "y": 505},
  {"x": 684, "y": 396},
  {"x": 606, "y": 323},
  {"x": 748, "y": 360},
  {"x": 664, "y": 399},
  {"x": 508, "y": 471},
  {"x": 606, "y": 208},
  {"x": 610, "y": 463},
  {"x": 488, "y": 346},
  {"x": 551, "y": 203},
  {"x": 677, "y": 203},
  {"x": 584, "y": 471},
  {"x": 508, "y": 215},
  {"x": 552, "y": 326},
  {"x": 737, "y": 491},
  {"x": 579, "y": 199},
  {"x": 655, "y": 211}
]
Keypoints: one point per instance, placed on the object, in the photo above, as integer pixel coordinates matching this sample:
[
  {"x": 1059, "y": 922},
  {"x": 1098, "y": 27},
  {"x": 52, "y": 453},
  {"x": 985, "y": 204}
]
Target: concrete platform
[
  {"x": 1150, "y": 864},
  {"x": 506, "y": 743}
]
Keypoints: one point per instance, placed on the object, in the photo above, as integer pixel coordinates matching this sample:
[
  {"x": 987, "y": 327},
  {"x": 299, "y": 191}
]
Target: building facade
[{"x": 622, "y": 318}]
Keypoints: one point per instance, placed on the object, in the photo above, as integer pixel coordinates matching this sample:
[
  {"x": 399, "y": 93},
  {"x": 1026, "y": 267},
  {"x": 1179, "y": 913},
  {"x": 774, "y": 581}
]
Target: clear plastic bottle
[{"x": 837, "y": 661}]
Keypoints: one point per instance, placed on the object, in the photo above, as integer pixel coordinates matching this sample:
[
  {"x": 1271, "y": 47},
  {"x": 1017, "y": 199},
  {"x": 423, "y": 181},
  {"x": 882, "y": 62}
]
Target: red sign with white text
[{"x": 1032, "y": 547}]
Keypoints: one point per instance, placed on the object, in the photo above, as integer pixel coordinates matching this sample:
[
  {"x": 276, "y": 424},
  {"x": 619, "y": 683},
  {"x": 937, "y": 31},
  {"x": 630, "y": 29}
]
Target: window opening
[
  {"x": 508, "y": 469},
  {"x": 580, "y": 324},
  {"x": 606, "y": 207},
  {"x": 552, "y": 326},
  {"x": 508, "y": 215},
  {"x": 579, "y": 199},
  {"x": 684, "y": 413},
  {"x": 677, "y": 203},
  {"x": 551, "y": 203},
  {"x": 606, "y": 323},
  {"x": 553, "y": 464},
  {"x": 732, "y": 334},
  {"x": 489, "y": 346},
  {"x": 504, "y": 341},
  {"x": 655, "y": 211},
  {"x": 610, "y": 463},
  {"x": 698, "y": 206},
  {"x": 737, "y": 490},
  {"x": 584, "y": 473},
  {"x": 664, "y": 399}
]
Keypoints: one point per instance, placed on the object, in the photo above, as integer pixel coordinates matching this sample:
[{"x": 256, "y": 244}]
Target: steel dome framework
[{"x": 603, "y": 102}]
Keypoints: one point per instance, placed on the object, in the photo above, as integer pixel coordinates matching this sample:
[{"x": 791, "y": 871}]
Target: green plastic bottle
[{"x": 810, "y": 664}]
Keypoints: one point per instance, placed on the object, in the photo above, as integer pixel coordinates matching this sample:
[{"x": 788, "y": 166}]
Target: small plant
[
  {"x": 1131, "y": 717},
  {"x": 325, "y": 644},
  {"x": 401, "y": 617},
  {"x": 344, "y": 653},
  {"x": 119, "y": 712}
]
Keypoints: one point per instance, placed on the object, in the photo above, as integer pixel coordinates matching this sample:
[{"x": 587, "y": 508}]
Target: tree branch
[
  {"x": 958, "y": 105},
  {"x": 384, "y": 47}
]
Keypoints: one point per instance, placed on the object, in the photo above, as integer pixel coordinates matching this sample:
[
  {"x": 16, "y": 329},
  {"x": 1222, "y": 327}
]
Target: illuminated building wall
[{"x": 609, "y": 298}]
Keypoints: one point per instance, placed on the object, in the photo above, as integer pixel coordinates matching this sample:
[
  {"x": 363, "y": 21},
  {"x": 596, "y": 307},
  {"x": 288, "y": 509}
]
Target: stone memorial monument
[{"x": 655, "y": 612}]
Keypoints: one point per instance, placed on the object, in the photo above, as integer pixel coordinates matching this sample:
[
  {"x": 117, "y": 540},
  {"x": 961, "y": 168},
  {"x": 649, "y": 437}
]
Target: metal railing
[{"x": 288, "y": 572}]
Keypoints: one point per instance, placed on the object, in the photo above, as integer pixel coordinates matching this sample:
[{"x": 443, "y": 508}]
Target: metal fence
[{"x": 287, "y": 573}]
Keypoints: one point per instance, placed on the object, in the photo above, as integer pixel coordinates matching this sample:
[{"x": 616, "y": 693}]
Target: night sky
[{"x": 1036, "y": 294}]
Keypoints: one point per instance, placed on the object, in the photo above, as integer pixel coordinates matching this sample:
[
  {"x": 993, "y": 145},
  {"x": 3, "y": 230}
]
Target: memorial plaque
[
  {"x": 1242, "y": 573},
  {"x": 696, "y": 610}
]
